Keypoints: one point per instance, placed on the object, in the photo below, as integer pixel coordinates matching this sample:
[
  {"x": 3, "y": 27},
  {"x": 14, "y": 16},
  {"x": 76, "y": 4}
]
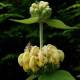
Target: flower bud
[
  {"x": 47, "y": 7},
  {"x": 36, "y": 10},
  {"x": 31, "y": 9},
  {"x": 48, "y": 11},
  {"x": 41, "y": 2},
  {"x": 45, "y": 15},
  {"x": 41, "y": 10},
  {"x": 34, "y": 5},
  {"x": 43, "y": 5},
  {"x": 61, "y": 55},
  {"x": 20, "y": 59}
]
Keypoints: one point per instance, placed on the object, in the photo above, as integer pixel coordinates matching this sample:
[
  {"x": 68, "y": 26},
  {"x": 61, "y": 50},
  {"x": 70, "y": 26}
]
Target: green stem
[{"x": 41, "y": 35}]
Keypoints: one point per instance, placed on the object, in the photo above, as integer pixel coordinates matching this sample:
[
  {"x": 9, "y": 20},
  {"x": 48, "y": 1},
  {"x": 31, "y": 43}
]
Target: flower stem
[{"x": 41, "y": 34}]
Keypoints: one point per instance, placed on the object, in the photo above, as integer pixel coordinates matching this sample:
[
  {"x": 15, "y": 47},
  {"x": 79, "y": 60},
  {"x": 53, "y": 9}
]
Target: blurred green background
[{"x": 15, "y": 36}]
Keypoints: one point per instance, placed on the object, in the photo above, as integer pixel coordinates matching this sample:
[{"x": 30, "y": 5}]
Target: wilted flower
[{"x": 36, "y": 58}]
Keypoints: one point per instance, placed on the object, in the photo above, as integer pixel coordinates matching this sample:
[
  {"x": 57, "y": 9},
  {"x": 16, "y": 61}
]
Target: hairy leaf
[
  {"x": 57, "y": 75},
  {"x": 27, "y": 21},
  {"x": 58, "y": 24}
]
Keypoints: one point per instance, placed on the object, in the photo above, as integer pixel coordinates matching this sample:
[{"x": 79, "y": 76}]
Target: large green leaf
[
  {"x": 58, "y": 24},
  {"x": 32, "y": 77},
  {"x": 27, "y": 21},
  {"x": 57, "y": 75}
]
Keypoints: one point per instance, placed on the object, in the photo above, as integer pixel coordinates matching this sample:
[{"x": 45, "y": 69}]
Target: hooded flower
[
  {"x": 36, "y": 58},
  {"x": 32, "y": 63}
]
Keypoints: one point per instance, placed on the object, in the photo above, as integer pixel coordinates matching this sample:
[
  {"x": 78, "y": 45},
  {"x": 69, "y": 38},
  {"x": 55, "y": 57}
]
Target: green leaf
[
  {"x": 32, "y": 77},
  {"x": 5, "y": 16},
  {"x": 58, "y": 24},
  {"x": 73, "y": 6},
  {"x": 77, "y": 68},
  {"x": 27, "y": 21},
  {"x": 57, "y": 75}
]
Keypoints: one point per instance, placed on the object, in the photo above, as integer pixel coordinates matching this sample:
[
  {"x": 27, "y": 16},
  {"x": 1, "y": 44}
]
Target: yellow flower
[
  {"x": 32, "y": 63},
  {"x": 26, "y": 57},
  {"x": 34, "y": 69},
  {"x": 61, "y": 55},
  {"x": 20, "y": 59},
  {"x": 49, "y": 46},
  {"x": 56, "y": 57},
  {"x": 45, "y": 51},
  {"x": 34, "y": 51},
  {"x": 26, "y": 67},
  {"x": 51, "y": 60},
  {"x": 42, "y": 59},
  {"x": 36, "y": 58}
]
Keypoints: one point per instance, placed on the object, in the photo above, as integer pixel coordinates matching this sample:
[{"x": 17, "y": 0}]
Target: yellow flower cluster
[
  {"x": 36, "y": 58},
  {"x": 41, "y": 10}
]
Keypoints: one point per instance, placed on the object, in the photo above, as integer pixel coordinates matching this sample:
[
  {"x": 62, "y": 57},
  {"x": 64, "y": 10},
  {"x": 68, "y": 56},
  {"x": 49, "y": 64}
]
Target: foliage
[
  {"x": 71, "y": 13},
  {"x": 57, "y": 75}
]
